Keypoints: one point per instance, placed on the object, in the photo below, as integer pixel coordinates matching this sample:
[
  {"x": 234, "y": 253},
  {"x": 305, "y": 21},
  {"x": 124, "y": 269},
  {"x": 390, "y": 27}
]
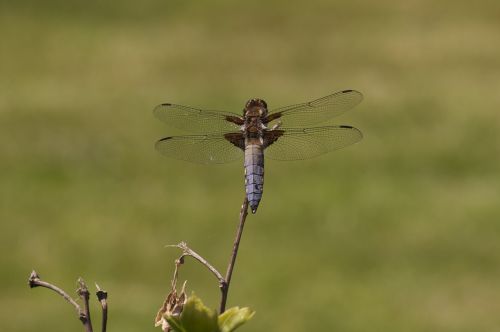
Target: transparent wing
[
  {"x": 297, "y": 144},
  {"x": 319, "y": 110},
  {"x": 202, "y": 149},
  {"x": 197, "y": 121}
]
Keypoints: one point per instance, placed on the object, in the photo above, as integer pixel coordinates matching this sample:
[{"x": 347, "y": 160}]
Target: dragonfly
[{"x": 284, "y": 133}]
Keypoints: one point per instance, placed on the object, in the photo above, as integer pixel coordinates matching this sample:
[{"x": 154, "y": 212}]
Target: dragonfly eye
[{"x": 257, "y": 103}]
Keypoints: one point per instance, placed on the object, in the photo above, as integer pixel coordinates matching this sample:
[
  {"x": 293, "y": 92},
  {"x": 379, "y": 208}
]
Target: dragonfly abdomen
[{"x": 254, "y": 174}]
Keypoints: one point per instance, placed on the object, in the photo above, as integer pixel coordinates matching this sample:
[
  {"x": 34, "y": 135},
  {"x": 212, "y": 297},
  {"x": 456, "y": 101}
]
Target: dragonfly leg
[{"x": 276, "y": 126}]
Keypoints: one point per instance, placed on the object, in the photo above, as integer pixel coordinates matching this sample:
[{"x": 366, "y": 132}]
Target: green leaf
[
  {"x": 175, "y": 323},
  {"x": 233, "y": 318},
  {"x": 195, "y": 317}
]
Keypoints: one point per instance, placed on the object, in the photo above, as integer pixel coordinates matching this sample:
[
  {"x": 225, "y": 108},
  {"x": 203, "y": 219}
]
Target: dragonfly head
[{"x": 255, "y": 107}]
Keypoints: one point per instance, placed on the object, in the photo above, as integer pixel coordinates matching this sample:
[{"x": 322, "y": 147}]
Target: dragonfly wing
[
  {"x": 197, "y": 121},
  {"x": 203, "y": 149},
  {"x": 297, "y": 144},
  {"x": 316, "y": 111}
]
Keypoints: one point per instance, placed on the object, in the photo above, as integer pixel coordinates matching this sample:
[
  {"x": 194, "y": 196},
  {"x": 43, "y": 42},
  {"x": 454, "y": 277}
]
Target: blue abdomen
[{"x": 254, "y": 174}]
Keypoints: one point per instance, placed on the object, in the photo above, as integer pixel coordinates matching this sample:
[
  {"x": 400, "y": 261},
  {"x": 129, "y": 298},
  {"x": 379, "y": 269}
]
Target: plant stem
[
  {"x": 35, "y": 281},
  {"x": 84, "y": 294},
  {"x": 83, "y": 314},
  {"x": 186, "y": 251},
  {"x": 102, "y": 296},
  {"x": 230, "y": 267}
]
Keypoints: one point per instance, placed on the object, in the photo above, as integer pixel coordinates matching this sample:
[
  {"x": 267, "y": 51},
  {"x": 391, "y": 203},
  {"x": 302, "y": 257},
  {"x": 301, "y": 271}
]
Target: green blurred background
[{"x": 398, "y": 233}]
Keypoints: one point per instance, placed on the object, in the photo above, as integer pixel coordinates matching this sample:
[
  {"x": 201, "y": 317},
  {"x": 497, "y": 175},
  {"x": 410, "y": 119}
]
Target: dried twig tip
[
  {"x": 101, "y": 294},
  {"x": 81, "y": 283},
  {"x": 82, "y": 290},
  {"x": 34, "y": 277}
]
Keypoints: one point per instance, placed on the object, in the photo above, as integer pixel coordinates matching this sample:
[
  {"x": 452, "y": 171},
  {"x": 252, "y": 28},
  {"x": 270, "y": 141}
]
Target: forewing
[
  {"x": 197, "y": 121},
  {"x": 319, "y": 110},
  {"x": 202, "y": 149},
  {"x": 297, "y": 144}
]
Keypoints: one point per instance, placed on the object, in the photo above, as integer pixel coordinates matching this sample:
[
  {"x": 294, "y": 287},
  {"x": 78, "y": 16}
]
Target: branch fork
[
  {"x": 173, "y": 304},
  {"x": 224, "y": 282},
  {"x": 84, "y": 294}
]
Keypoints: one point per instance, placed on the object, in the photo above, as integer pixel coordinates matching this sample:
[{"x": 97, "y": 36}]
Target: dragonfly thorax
[{"x": 253, "y": 127}]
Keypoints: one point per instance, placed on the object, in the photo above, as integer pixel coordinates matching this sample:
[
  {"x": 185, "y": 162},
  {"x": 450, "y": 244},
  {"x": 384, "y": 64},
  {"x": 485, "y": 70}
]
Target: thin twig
[
  {"x": 230, "y": 267},
  {"x": 84, "y": 315},
  {"x": 102, "y": 296},
  {"x": 223, "y": 282},
  {"x": 173, "y": 282},
  {"x": 35, "y": 281},
  {"x": 186, "y": 251},
  {"x": 84, "y": 294}
]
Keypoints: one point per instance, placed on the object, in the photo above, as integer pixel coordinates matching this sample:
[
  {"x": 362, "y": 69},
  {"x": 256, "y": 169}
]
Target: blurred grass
[{"x": 397, "y": 233}]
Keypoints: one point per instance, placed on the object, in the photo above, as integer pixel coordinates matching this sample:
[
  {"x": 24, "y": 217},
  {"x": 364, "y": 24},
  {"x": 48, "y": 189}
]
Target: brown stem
[
  {"x": 102, "y": 296},
  {"x": 186, "y": 251},
  {"x": 84, "y": 315},
  {"x": 84, "y": 294},
  {"x": 230, "y": 267},
  {"x": 35, "y": 281}
]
